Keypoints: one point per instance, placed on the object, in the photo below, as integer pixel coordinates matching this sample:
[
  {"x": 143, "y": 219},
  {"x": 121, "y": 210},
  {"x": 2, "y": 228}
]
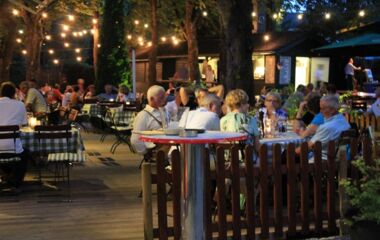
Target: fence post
[
  {"x": 304, "y": 188},
  {"x": 221, "y": 193},
  {"x": 235, "y": 187},
  {"x": 264, "y": 206},
  {"x": 291, "y": 189},
  {"x": 343, "y": 201},
  {"x": 176, "y": 193},
  {"x": 251, "y": 197},
  {"x": 147, "y": 201},
  {"x": 277, "y": 191}
]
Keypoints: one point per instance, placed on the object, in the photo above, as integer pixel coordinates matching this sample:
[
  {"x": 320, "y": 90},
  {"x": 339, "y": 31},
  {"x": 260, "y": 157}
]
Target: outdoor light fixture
[
  {"x": 71, "y": 17},
  {"x": 84, "y": 32},
  {"x": 163, "y": 39},
  {"x": 204, "y": 13},
  {"x": 141, "y": 44},
  {"x": 149, "y": 44},
  {"x": 300, "y": 16},
  {"x": 92, "y": 31},
  {"x": 253, "y": 14},
  {"x": 24, "y": 52},
  {"x": 174, "y": 38},
  {"x": 77, "y": 50},
  {"x": 48, "y": 37},
  {"x": 137, "y": 22},
  {"x": 361, "y": 13},
  {"x": 146, "y": 25},
  {"x": 266, "y": 37},
  {"x": 327, "y": 16},
  {"x": 67, "y": 44},
  {"x": 44, "y": 15},
  {"x": 55, "y": 61},
  {"x": 80, "y": 34},
  {"x": 75, "y": 34},
  {"x": 51, "y": 51},
  {"x": 15, "y": 12},
  {"x": 175, "y": 42},
  {"x": 99, "y": 45},
  {"x": 21, "y": 31},
  {"x": 140, "y": 39},
  {"x": 19, "y": 40}
]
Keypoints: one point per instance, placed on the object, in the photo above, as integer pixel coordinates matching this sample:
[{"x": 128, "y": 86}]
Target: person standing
[{"x": 349, "y": 70}]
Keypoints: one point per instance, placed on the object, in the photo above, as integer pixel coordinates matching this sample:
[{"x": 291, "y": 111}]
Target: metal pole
[{"x": 134, "y": 72}]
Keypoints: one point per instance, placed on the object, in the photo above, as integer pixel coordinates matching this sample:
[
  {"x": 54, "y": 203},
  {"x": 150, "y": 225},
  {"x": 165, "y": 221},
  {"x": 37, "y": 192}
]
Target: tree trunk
[
  {"x": 7, "y": 51},
  {"x": 153, "y": 49},
  {"x": 33, "y": 43},
  {"x": 237, "y": 44},
  {"x": 95, "y": 28},
  {"x": 192, "y": 42}
]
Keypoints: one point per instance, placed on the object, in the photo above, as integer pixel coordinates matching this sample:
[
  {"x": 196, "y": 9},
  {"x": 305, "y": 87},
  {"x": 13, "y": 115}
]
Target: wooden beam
[{"x": 18, "y": 4}]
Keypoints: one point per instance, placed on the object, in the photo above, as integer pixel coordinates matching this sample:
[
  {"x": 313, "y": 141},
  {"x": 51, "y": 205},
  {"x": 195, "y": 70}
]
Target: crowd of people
[{"x": 317, "y": 118}]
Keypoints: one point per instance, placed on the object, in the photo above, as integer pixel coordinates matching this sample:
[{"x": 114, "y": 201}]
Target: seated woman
[
  {"x": 312, "y": 118},
  {"x": 123, "y": 94},
  {"x": 272, "y": 108},
  {"x": 238, "y": 120}
]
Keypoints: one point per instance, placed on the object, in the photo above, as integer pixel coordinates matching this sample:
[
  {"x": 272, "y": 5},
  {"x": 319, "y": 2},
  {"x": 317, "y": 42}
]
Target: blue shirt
[
  {"x": 330, "y": 130},
  {"x": 107, "y": 97},
  {"x": 318, "y": 119}
]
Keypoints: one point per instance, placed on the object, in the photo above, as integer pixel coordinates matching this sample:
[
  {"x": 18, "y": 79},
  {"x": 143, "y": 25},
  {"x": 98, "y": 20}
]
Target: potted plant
[{"x": 363, "y": 216}]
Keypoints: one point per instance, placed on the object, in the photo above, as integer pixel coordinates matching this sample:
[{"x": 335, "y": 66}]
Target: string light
[
  {"x": 77, "y": 50},
  {"x": 75, "y": 34},
  {"x": 163, "y": 39},
  {"x": 140, "y": 39},
  {"x": 146, "y": 25},
  {"x": 71, "y": 17},
  {"x": 80, "y": 34},
  {"x": 175, "y": 42},
  {"x": 253, "y": 14},
  {"x": 24, "y": 52},
  {"x": 48, "y": 37},
  {"x": 44, "y": 15},
  {"x": 94, "y": 21},
  {"x": 174, "y": 38},
  {"x": 300, "y": 16},
  {"x": 137, "y": 22},
  {"x": 204, "y": 13},
  {"x": 327, "y": 16},
  {"x": 19, "y": 40},
  {"x": 141, "y": 44},
  {"x": 92, "y": 31},
  {"x": 56, "y": 61},
  {"x": 266, "y": 37},
  {"x": 84, "y": 31},
  {"x": 21, "y": 31},
  {"x": 51, "y": 51},
  {"x": 65, "y": 27},
  {"x": 15, "y": 12},
  {"x": 79, "y": 59},
  {"x": 129, "y": 37},
  {"x": 275, "y": 15},
  {"x": 99, "y": 45},
  {"x": 66, "y": 44},
  {"x": 149, "y": 44},
  {"x": 63, "y": 35},
  {"x": 361, "y": 13}
]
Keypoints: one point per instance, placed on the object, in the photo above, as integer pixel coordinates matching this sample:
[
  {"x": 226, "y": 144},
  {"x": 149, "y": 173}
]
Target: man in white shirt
[
  {"x": 13, "y": 112},
  {"x": 375, "y": 107},
  {"x": 206, "y": 116},
  {"x": 349, "y": 70},
  {"x": 148, "y": 119}
]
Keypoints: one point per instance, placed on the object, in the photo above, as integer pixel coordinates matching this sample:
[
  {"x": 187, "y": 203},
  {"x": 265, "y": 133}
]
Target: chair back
[
  {"x": 53, "y": 131},
  {"x": 9, "y": 132}
]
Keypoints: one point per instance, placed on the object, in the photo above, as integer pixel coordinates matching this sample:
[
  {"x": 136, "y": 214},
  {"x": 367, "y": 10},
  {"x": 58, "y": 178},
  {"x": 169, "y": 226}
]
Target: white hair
[
  {"x": 209, "y": 99},
  {"x": 331, "y": 101},
  {"x": 154, "y": 90}
]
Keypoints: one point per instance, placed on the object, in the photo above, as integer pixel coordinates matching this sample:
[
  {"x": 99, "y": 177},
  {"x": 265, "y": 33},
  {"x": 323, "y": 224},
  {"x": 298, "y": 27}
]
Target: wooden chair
[
  {"x": 11, "y": 133},
  {"x": 63, "y": 158}
]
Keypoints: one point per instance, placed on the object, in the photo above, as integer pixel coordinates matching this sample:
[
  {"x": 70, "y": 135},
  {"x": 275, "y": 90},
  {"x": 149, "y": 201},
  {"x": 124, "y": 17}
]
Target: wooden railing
[
  {"x": 363, "y": 121},
  {"x": 295, "y": 197}
]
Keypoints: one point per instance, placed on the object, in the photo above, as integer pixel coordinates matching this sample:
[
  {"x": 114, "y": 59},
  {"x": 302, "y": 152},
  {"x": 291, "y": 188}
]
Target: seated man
[
  {"x": 108, "y": 95},
  {"x": 334, "y": 124},
  {"x": 34, "y": 101},
  {"x": 13, "y": 113},
  {"x": 206, "y": 116},
  {"x": 149, "y": 118}
]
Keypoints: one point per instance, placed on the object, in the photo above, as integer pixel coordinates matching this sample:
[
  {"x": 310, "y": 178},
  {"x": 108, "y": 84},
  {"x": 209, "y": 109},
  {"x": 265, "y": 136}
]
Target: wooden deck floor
[{"x": 103, "y": 202}]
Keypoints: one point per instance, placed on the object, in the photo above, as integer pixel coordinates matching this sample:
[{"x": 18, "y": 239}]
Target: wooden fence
[{"x": 295, "y": 198}]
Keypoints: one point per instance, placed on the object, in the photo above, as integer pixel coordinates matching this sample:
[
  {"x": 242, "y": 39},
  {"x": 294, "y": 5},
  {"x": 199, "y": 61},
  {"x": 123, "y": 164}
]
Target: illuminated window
[{"x": 258, "y": 67}]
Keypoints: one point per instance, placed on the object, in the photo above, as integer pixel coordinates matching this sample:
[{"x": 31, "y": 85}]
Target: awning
[{"x": 364, "y": 45}]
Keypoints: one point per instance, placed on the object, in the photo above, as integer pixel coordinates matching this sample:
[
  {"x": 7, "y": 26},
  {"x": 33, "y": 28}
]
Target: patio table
[{"x": 192, "y": 175}]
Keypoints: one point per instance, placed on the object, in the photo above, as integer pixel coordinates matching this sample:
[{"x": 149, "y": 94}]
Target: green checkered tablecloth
[
  {"x": 93, "y": 110},
  {"x": 122, "y": 117},
  {"x": 30, "y": 142}
]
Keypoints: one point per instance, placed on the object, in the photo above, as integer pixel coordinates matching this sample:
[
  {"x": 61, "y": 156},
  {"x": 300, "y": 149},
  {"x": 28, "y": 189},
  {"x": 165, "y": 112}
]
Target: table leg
[{"x": 192, "y": 192}]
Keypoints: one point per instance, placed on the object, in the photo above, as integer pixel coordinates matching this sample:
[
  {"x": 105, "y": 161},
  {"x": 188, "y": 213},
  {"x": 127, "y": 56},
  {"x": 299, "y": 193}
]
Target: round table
[{"x": 192, "y": 192}]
